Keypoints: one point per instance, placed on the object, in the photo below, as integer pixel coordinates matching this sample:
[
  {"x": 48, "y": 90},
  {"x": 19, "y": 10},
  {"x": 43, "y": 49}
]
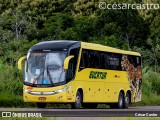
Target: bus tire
[
  {"x": 78, "y": 101},
  {"x": 120, "y": 103},
  {"x": 41, "y": 105},
  {"x": 126, "y": 100},
  {"x": 120, "y": 100}
]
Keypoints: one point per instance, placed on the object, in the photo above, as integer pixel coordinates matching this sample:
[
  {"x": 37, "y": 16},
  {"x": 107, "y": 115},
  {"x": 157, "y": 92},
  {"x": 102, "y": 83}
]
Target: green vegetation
[
  {"x": 150, "y": 88},
  {"x": 25, "y": 23}
]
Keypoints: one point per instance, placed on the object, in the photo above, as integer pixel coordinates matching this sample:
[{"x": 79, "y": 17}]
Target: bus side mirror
[
  {"x": 20, "y": 62},
  {"x": 66, "y": 61}
]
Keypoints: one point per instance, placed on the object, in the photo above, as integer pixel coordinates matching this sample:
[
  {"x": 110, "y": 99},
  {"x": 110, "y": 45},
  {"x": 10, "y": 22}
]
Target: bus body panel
[
  {"x": 97, "y": 85},
  {"x": 103, "y": 90}
]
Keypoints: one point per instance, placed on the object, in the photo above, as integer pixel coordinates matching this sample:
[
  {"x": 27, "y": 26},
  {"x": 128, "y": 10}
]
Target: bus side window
[
  {"x": 132, "y": 60},
  {"x": 114, "y": 62},
  {"x": 94, "y": 59},
  {"x": 103, "y": 61},
  {"x": 138, "y": 61},
  {"x": 72, "y": 64},
  {"x": 107, "y": 61},
  {"x": 84, "y": 59},
  {"x": 97, "y": 59}
]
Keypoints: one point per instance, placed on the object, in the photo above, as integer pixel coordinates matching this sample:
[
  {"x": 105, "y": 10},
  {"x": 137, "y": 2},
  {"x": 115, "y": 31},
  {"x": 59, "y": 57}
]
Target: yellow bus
[{"x": 81, "y": 74}]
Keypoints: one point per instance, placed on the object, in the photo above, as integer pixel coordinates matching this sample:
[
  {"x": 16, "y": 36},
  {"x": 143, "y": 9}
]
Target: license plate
[{"x": 42, "y": 98}]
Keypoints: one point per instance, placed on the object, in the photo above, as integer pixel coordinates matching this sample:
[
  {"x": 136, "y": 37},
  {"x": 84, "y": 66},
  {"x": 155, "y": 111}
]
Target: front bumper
[{"x": 55, "y": 98}]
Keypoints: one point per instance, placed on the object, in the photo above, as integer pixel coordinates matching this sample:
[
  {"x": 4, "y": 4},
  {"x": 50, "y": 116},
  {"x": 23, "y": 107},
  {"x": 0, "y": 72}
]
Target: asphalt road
[{"x": 143, "y": 111}]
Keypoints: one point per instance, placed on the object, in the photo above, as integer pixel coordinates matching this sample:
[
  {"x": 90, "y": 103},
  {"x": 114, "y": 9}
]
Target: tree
[
  {"x": 128, "y": 26},
  {"x": 155, "y": 50},
  {"x": 84, "y": 27},
  {"x": 56, "y": 24},
  {"x": 19, "y": 24}
]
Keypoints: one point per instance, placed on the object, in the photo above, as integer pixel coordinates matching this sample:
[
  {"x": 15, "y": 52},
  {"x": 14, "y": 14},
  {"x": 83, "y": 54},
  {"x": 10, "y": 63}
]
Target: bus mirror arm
[
  {"x": 20, "y": 62},
  {"x": 66, "y": 61}
]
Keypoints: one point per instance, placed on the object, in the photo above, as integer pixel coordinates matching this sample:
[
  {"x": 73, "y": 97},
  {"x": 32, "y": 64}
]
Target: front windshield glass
[{"x": 45, "y": 68}]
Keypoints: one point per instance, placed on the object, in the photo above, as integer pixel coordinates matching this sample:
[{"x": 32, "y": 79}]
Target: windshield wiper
[
  {"x": 60, "y": 76},
  {"x": 48, "y": 73},
  {"x": 37, "y": 78},
  {"x": 42, "y": 73}
]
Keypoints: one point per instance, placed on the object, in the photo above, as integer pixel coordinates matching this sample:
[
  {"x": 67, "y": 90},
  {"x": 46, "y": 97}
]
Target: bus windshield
[{"x": 45, "y": 68}]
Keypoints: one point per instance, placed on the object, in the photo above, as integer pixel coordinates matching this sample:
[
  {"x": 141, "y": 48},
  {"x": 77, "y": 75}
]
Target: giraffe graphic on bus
[{"x": 134, "y": 76}]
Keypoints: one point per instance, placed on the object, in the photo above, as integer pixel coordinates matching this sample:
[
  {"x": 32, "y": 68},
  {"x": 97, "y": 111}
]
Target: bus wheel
[
  {"x": 78, "y": 101},
  {"x": 41, "y": 105},
  {"x": 120, "y": 103},
  {"x": 126, "y": 100},
  {"x": 120, "y": 100}
]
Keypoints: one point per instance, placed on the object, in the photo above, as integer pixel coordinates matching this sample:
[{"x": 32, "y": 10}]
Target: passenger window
[
  {"x": 94, "y": 59},
  {"x": 72, "y": 64},
  {"x": 71, "y": 70},
  {"x": 84, "y": 59},
  {"x": 114, "y": 62},
  {"x": 103, "y": 61},
  {"x": 132, "y": 60},
  {"x": 138, "y": 60}
]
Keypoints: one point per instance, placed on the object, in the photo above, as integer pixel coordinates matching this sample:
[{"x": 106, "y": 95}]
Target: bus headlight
[
  {"x": 58, "y": 91},
  {"x": 61, "y": 90},
  {"x": 25, "y": 90}
]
